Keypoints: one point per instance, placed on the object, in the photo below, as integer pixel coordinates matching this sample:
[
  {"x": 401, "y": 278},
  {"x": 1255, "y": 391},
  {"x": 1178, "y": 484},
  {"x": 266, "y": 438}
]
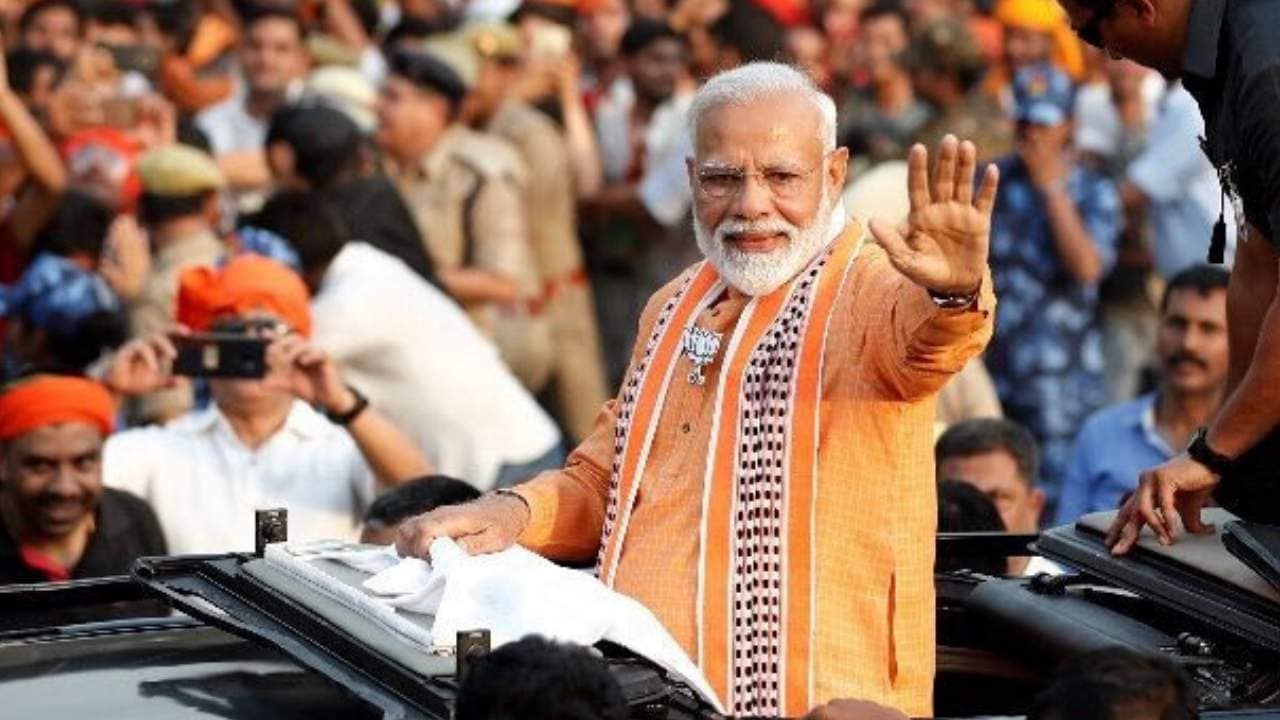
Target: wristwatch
[
  {"x": 348, "y": 417},
  {"x": 1200, "y": 451},
  {"x": 955, "y": 302}
]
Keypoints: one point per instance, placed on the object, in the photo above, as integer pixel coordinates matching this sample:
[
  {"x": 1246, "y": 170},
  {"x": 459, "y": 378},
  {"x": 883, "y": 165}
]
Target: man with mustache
[
  {"x": 1119, "y": 442},
  {"x": 1227, "y": 55},
  {"x": 57, "y": 522},
  {"x": 780, "y": 395}
]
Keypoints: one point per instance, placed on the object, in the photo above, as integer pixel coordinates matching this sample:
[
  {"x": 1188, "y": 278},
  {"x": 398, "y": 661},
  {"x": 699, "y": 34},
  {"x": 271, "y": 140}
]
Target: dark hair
[
  {"x": 1116, "y": 683},
  {"x": 79, "y": 225},
  {"x": 885, "y": 8},
  {"x": 325, "y": 142},
  {"x": 177, "y": 19},
  {"x": 308, "y": 222},
  {"x": 112, "y": 12},
  {"x": 24, "y": 64},
  {"x": 103, "y": 330},
  {"x": 981, "y": 435},
  {"x": 154, "y": 209},
  {"x": 428, "y": 73},
  {"x": 368, "y": 13},
  {"x": 1204, "y": 279},
  {"x": 752, "y": 31},
  {"x": 558, "y": 13},
  {"x": 413, "y": 28},
  {"x": 260, "y": 13},
  {"x": 536, "y": 679},
  {"x": 643, "y": 32},
  {"x": 416, "y": 497},
  {"x": 189, "y": 133},
  {"x": 28, "y": 17},
  {"x": 964, "y": 508}
]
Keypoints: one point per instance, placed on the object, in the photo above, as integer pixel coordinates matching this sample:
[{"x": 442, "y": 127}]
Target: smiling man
[
  {"x": 781, "y": 395},
  {"x": 57, "y": 522}
]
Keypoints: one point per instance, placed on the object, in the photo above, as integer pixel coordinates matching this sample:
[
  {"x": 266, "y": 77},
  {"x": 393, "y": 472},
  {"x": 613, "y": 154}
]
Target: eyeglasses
[
  {"x": 1091, "y": 31},
  {"x": 726, "y": 182}
]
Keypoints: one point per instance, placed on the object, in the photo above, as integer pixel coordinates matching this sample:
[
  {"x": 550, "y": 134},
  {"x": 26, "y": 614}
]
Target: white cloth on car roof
[{"x": 513, "y": 593}]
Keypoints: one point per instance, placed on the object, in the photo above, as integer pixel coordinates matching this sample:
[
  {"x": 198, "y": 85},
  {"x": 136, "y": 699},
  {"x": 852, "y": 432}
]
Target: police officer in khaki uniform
[
  {"x": 179, "y": 208},
  {"x": 578, "y": 382},
  {"x": 465, "y": 189}
]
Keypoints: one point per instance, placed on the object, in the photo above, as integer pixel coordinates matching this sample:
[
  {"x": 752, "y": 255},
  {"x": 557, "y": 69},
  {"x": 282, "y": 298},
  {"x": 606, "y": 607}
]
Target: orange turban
[
  {"x": 52, "y": 399},
  {"x": 246, "y": 284},
  {"x": 1046, "y": 16}
]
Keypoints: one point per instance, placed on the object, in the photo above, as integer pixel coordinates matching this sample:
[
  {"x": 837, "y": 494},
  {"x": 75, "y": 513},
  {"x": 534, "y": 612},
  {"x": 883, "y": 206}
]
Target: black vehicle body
[{"x": 242, "y": 650}]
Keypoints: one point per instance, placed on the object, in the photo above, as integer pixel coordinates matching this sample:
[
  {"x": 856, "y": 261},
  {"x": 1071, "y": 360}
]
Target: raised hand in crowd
[
  {"x": 1045, "y": 162},
  {"x": 143, "y": 365},
  {"x": 944, "y": 243},
  {"x": 39, "y": 160},
  {"x": 297, "y": 366},
  {"x": 126, "y": 257},
  {"x": 309, "y": 373}
]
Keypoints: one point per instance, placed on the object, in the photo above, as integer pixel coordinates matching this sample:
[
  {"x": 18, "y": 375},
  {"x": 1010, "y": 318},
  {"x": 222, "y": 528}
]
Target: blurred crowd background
[{"x": 524, "y": 163}]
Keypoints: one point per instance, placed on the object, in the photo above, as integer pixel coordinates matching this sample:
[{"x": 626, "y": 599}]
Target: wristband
[
  {"x": 348, "y": 417},
  {"x": 1200, "y": 451},
  {"x": 948, "y": 301}
]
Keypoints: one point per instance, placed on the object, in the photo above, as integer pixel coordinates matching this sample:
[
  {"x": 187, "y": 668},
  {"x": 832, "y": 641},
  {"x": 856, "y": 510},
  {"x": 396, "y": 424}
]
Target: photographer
[{"x": 264, "y": 441}]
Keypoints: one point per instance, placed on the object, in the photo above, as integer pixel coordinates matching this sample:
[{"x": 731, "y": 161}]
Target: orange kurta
[{"x": 889, "y": 349}]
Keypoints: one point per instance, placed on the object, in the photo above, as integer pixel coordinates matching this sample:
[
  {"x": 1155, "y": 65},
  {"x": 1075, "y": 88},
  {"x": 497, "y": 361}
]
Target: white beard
[{"x": 756, "y": 273}]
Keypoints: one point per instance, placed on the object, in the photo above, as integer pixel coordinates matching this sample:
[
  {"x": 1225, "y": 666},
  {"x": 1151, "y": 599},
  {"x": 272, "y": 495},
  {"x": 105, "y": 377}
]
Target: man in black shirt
[
  {"x": 57, "y": 522},
  {"x": 1227, "y": 53}
]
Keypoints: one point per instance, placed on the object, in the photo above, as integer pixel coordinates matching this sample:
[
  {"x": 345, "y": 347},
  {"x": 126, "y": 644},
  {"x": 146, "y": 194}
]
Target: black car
[{"x": 243, "y": 648}]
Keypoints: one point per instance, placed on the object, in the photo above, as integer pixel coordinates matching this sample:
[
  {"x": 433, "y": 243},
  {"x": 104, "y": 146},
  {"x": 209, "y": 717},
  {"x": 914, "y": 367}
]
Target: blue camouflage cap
[
  {"x": 1042, "y": 95},
  {"x": 56, "y": 295}
]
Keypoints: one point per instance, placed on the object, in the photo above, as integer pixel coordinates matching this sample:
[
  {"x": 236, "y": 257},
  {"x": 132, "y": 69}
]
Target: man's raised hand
[{"x": 943, "y": 245}]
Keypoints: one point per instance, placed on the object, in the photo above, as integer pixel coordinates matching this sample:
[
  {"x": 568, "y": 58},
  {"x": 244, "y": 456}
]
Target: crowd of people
[{"x": 446, "y": 220}]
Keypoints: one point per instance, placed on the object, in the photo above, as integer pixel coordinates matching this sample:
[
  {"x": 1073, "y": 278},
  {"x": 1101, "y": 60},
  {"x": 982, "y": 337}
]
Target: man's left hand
[
  {"x": 943, "y": 245},
  {"x": 1179, "y": 487},
  {"x": 309, "y": 373}
]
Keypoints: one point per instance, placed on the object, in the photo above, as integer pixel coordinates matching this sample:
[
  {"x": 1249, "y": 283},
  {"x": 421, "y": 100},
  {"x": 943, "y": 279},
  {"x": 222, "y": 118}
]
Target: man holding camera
[{"x": 295, "y": 436}]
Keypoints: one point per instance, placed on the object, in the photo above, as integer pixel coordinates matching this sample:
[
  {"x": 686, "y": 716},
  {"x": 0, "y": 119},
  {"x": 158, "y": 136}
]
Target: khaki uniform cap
[
  {"x": 494, "y": 40},
  {"x": 454, "y": 51},
  {"x": 179, "y": 170}
]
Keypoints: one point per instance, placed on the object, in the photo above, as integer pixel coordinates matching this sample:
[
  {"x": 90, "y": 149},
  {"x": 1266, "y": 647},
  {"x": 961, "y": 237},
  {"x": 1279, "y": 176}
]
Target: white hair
[{"x": 763, "y": 79}]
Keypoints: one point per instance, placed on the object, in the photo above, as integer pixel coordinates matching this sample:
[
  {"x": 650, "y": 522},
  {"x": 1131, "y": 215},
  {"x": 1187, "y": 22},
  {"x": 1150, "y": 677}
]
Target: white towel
[{"x": 515, "y": 593}]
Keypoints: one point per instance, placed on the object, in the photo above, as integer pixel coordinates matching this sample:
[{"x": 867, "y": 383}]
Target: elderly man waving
[{"x": 763, "y": 481}]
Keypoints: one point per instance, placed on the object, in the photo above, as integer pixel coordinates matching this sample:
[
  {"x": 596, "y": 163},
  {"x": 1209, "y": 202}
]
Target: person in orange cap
[
  {"x": 57, "y": 521},
  {"x": 300, "y": 437},
  {"x": 1035, "y": 31}
]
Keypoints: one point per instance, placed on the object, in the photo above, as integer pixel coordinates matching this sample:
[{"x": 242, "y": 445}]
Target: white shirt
[
  {"x": 1184, "y": 197},
  {"x": 230, "y": 127},
  {"x": 664, "y": 186},
  {"x": 204, "y": 484},
  {"x": 421, "y": 361},
  {"x": 1098, "y": 126}
]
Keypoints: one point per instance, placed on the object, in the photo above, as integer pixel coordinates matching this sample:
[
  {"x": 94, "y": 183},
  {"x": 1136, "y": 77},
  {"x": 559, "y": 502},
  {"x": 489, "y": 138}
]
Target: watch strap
[
  {"x": 1200, "y": 451},
  {"x": 348, "y": 417}
]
